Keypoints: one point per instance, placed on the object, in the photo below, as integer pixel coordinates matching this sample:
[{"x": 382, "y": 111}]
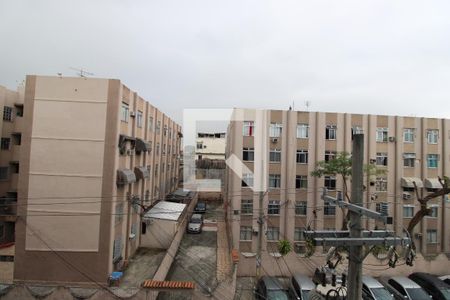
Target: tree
[
  {"x": 424, "y": 209},
  {"x": 341, "y": 165}
]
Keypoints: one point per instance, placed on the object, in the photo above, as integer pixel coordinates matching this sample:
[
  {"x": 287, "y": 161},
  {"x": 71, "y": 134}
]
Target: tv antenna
[
  {"x": 82, "y": 73},
  {"x": 307, "y": 104}
]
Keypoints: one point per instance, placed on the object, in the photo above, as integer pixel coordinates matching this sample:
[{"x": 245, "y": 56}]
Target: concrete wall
[{"x": 160, "y": 233}]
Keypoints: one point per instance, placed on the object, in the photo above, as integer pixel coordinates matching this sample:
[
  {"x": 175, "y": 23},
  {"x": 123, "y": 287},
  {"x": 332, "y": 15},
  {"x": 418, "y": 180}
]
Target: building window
[
  {"x": 382, "y": 208},
  {"x": 382, "y": 159},
  {"x": 408, "y": 135},
  {"x": 356, "y": 130},
  {"x": 156, "y": 169},
  {"x": 247, "y": 207},
  {"x": 300, "y": 208},
  {"x": 150, "y": 123},
  {"x": 330, "y": 182},
  {"x": 301, "y": 182},
  {"x": 432, "y": 136},
  {"x": 5, "y": 142},
  {"x": 434, "y": 211},
  {"x": 4, "y": 172},
  {"x": 302, "y": 131},
  {"x": 248, "y": 154},
  {"x": 117, "y": 249},
  {"x": 329, "y": 209},
  {"x": 248, "y": 128},
  {"x": 124, "y": 112},
  {"x": 330, "y": 155},
  {"x": 246, "y": 233},
  {"x": 275, "y": 155},
  {"x": 19, "y": 110},
  {"x": 273, "y": 207},
  {"x": 273, "y": 233},
  {"x": 275, "y": 129},
  {"x": 139, "y": 119},
  {"x": 158, "y": 127},
  {"x": 7, "y": 113},
  {"x": 17, "y": 138},
  {"x": 382, "y": 134},
  {"x": 381, "y": 184},
  {"x": 330, "y": 132},
  {"x": 408, "y": 211},
  {"x": 274, "y": 180},
  {"x": 431, "y": 236},
  {"x": 298, "y": 234},
  {"x": 14, "y": 167},
  {"x": 432, "y": 161},
  {"x": 119, "y": 213},
  {"x": 247, "y": 180},
  {"x": 409, "y": 160},
  {"x": 157, "y": 148},
  {"x": 199, "y": 145},
  {"x": 302, "y": 156}
]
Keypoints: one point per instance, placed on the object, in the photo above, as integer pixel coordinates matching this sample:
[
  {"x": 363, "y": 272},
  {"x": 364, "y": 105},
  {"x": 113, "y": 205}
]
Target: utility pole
[
  {"x": 356, "y": 238},
  {"x": 356, "y": 252},
  {"x": 260, "y": 233}
]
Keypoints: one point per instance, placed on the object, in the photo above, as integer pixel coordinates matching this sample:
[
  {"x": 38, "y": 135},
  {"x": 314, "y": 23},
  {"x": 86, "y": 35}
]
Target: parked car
[
  {"x": 270, "y": 288},
  {"x": 404, "y": 288},
  {"x": 195, "y": 224},
  {"x": 372, "y": 289},
  {"x": 438, "y": 289},
  {"x": 300, "y": 286},
  {"x": 200, "y": 208},
  {"x": 445, "y": 278}
]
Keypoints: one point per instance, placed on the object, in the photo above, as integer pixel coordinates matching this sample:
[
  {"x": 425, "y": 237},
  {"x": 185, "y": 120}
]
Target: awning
[
  {"x": 141, "y": 172},
  {"x": 432, "y": 183},
  {"x": 142, "y": 146},
  {"x": 125, "y": 176},
  {"x": 408, "y": 182}
]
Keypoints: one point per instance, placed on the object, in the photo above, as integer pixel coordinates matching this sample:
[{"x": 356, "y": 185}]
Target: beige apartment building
[
  {"x": 11, "y": 125},
  {"x": 210, "y": 146},
  {"x": 93, "y": 155},
  {"x": 281, "y": 148}
]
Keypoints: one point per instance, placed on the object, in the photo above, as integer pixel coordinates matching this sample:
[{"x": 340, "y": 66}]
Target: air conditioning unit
[
  {"x": 392, "y": 139},
  {"x": 132, "y": 114},
  {"x": 406, "y": 196},
  {"x": 274, "y": 140},
  {"x": 372, "y": 161}
]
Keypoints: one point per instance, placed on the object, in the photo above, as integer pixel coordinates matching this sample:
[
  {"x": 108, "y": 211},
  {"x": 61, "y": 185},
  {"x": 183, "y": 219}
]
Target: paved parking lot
[{"x": 196, "y": 261}]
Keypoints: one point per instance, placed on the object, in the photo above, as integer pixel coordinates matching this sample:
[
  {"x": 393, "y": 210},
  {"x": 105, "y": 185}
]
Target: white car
[
  {"x": 404, "y": 288},
  {"x": 372, "y": 289},
  {"x": 195, "y": 224}
]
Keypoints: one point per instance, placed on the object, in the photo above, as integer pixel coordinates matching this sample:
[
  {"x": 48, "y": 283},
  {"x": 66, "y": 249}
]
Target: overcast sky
[{"x": 377, "y": 57}]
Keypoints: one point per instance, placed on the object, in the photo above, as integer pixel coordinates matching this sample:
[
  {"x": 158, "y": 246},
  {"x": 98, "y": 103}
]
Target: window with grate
[
  {"x": 274, "y": 180},
  {"x": 330, "y": 132},
  {"x": 275, "y": 155},
  {"x": 300, "y": 208},
  {"x": 273, "y": 207},
  {"x": 382, "y": 135},
  {"x": 275, "y": 129},
  {"x": 329, "y": 209},
  {"x": 409, "y": 160},
  {"x": 382, "y": 159},
  {"x": 330, "y": 182},
  {"x": 302, "y": 131},
  {"x": 5, "y": 142},
  {"x": 248, "y": 128},
  {"x": 381, "y": 184},
  {"x": 7, "y": 113},
  {"x": 298, "y": 234},
  {"x": 245, "y": 233},
  {"x": 301, "y": 182},
  {"x": 382, "y": 208},
  {"x": 273, "y": 233},
  {"x": 302, "y": 156},
  {"x": 248, "y": 154},
  {"x": 246, "y": 206}
]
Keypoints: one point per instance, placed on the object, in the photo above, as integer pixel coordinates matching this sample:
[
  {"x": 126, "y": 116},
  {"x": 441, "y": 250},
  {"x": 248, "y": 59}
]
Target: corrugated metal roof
[
  {"x": 166, "y": 210},
  {"x": 157, "y": 284}
]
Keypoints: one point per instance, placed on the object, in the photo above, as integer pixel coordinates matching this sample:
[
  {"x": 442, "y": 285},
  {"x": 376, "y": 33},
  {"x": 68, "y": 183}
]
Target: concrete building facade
[
  {"x": 94, "y": 153},
  {"x": 11, "y": 125},
  {"x": 281, "y": 148},
  {"x": 210, "y": 146}
]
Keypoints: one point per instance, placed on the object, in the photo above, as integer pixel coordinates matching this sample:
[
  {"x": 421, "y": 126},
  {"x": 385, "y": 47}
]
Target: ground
[
  {"x": 196, "y": 259},
  {"x": 142, "y": 266}
]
